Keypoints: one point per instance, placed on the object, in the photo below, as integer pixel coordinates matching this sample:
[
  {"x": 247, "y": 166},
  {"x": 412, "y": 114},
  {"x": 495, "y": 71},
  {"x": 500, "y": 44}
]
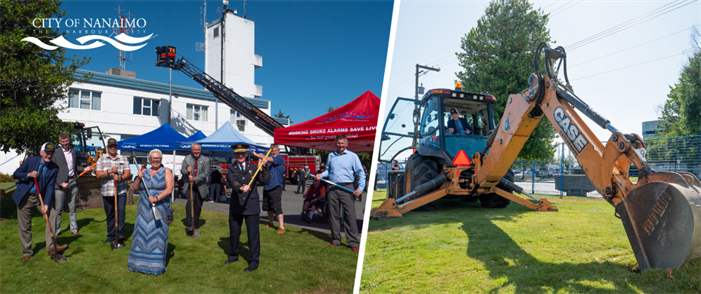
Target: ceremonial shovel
[
  {"x": 332, "y": 183},
  {"x": 58, "y": 257},
  {"x": 156, "y": 214},
  {"x": 115, "y": 243}
]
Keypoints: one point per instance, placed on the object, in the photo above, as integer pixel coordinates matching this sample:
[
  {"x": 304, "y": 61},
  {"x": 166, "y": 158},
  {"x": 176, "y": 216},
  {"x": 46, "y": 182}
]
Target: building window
[
  {"x": 145, "y": 106},
  {"x": 239, "y": 121},
  {"x": 216, "y": 32},
  {"x": 84, "y": 99},
  {"x": 196, "y": 112}
]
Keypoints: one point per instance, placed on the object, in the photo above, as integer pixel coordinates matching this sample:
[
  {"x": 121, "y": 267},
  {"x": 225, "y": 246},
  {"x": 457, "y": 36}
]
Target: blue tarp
[
  {"x": 196, "y": 136},
  {"x": 224, "y": 137},
  {"x": 164, "y": 138}
]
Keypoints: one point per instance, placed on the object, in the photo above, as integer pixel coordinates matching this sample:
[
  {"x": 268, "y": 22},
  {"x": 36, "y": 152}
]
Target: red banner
[{"x": 357, "y": 120}]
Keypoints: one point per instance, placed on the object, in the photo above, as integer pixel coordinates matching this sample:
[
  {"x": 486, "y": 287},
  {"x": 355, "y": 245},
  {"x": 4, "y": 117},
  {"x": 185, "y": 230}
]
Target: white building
[{"x": 124, "y": 106}]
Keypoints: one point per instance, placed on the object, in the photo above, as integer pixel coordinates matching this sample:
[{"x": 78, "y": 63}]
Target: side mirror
[{"x": 88, "y": 133}]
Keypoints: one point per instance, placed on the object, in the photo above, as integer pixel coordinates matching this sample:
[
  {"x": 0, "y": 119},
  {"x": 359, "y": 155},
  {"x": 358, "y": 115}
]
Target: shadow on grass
[
  {"x": 503, "y": 258},
  {"x": 170, "y": 254},
  {"x": 319, "y": 235},
  {"x": 244, "y": 251},
  {"x": 201, "y": 222}
]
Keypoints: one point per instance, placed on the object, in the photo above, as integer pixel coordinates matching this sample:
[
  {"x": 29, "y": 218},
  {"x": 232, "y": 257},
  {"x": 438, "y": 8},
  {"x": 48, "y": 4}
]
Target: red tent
[{"x": 357, "y": 120}]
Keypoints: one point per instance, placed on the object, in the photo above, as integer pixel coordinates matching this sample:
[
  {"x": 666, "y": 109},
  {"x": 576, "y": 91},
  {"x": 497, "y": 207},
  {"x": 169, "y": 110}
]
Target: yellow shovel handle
[{"x": 257, "y": 170}]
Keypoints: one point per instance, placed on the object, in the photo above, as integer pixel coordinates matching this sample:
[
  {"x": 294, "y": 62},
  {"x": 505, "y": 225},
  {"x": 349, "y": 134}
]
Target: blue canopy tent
[
  {"x": 164, "y": 138},
  {"x": 224, "y": 137},
  {"x": 197, "y": 136}
]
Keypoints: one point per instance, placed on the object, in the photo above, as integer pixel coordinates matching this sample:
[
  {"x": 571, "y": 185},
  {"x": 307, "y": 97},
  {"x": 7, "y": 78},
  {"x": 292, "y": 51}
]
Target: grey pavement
[{"x": 291, "y": 208}]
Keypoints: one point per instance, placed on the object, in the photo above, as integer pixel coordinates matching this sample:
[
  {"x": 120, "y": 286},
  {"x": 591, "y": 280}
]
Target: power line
[
  {"x": 551, "y": 4},
  {"x": 610, "y": 54},
  {"x": 630, "y": 23},
  {"x": 573, "y": 4},
  {"x": 634, "y": 65}
]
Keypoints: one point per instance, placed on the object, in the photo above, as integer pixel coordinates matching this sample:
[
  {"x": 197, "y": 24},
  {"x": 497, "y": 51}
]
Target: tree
[
  {"x": 34, "y": 81},
  {"x": 497, "y": 57},
  {"x": 681, "y": 114},
  {"x": 280, "y": 114},
  {"x": 331, "y": 108}
]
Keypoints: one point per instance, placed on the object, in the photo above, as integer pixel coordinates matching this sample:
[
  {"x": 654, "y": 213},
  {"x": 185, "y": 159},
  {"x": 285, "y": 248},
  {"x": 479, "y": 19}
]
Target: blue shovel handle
[{"x": 332, "y": 183}]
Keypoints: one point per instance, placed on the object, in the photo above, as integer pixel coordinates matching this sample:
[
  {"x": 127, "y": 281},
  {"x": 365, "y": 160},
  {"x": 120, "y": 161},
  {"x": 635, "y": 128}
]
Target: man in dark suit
[
  {"x": 44, "y": 171},
  {"x": 245, "y": 203},
  {"x": 195, "y": 172},
  {"x": 458, "y": 125},
  {"x": 301, "y": 180},
  {"x": 66, "y": 182}
]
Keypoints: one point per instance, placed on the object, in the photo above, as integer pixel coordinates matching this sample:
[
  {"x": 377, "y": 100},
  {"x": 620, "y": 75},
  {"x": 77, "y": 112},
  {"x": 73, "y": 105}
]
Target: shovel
[
  {"x": 115, "y": 243},
  {"x": 332, "y": 183},
  {"x": 192, "y": 204},
  {"x": 58, "y": 257},
  {"x": 156, "y": 214}
]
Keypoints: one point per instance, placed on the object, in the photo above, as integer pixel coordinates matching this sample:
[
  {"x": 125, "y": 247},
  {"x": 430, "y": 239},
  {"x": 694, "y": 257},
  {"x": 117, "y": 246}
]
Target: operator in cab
[{"x": 458, "y": 125}]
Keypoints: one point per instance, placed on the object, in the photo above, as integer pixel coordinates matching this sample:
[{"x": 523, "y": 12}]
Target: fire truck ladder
[{"x": 224, "y": 94}]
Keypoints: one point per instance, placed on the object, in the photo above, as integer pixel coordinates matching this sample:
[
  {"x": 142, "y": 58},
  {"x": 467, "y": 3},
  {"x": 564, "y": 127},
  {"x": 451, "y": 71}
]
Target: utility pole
[
  {"x": 170, "y": 92},
  {"x": 425, "y": 69}
]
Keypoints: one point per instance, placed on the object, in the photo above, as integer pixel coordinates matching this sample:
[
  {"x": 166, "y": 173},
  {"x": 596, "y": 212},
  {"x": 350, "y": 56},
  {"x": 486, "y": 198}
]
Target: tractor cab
[
  {"x": 89, "y": 141},
  {"x": 428, "y": 120}
]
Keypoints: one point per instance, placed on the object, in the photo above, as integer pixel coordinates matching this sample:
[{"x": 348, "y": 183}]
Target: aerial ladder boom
[{"x": 167, "y": 58}]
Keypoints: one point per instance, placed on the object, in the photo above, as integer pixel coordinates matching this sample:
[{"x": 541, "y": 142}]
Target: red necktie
[{"x": 195, "y": 173}]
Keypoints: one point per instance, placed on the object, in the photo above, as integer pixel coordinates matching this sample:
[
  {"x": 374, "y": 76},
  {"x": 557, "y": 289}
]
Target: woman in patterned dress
[{"x": 150, "y": 241}]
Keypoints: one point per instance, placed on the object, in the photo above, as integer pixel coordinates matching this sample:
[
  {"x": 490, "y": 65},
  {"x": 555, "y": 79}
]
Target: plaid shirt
[{"x": 105, "y": 163}]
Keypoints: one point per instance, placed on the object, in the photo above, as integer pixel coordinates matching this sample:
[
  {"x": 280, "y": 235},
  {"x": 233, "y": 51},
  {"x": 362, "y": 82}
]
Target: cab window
[{"x": 430, "y": 123}]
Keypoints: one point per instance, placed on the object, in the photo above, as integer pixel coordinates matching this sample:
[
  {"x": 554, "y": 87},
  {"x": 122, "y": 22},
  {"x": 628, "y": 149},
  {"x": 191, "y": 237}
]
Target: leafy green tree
[
  {"x": 497, "y": 57},
  {"x": 681, "y": 115},
  {"x": 331, "y": 108},
  {"x": 34, "y": 81}
]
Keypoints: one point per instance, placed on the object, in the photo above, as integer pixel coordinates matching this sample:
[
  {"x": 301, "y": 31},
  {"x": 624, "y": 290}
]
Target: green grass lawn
[
  {"x": 297, "y": 262},
  {"x": 6, "y": 185},
  {"x": 461, "y": 247}
]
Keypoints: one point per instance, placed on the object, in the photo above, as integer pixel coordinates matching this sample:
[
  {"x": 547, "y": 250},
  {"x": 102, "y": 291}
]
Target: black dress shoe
[
  {"x": 230, "y": 261},
  {"x": 248, "y": 269}
]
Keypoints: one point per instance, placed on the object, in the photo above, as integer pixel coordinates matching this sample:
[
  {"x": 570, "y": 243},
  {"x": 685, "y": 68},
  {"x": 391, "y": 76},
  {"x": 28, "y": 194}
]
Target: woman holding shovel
[{"x": 150, "y": 241}]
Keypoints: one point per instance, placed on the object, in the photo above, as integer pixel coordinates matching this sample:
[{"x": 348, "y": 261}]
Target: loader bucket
[{"x": 663, "y": 223}]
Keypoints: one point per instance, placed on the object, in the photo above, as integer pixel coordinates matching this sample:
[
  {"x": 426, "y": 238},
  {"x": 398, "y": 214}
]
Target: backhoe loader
[{"x": 661, "y": 213}]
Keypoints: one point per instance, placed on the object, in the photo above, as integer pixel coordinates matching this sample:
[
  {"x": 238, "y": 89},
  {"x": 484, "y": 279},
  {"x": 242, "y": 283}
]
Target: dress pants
[
  {"x": 24, "y": 223},
  {"x": 60, "y": 199},
  {"x": 341, "y": 199},
  {"x": 108, "y": 201},
  {"x": 197, "y": 200},
  {"x": 252, "y": 230},
  {"x": 303, "y": 185}
]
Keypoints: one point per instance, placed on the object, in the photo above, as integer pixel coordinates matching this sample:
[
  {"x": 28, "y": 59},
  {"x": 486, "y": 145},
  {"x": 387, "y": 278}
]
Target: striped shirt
[{"x": 105, "y": 163}]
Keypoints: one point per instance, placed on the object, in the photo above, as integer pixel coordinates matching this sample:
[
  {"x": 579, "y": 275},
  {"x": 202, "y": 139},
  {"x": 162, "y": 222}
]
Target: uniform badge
[{"x": 250, "y": 172}]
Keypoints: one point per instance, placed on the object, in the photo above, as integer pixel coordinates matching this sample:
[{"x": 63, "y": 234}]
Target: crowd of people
[{"x": 49, "y": 180}]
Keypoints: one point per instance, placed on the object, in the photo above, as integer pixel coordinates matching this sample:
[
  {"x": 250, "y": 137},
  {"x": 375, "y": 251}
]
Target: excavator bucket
[{"x": 662, "y": 219}]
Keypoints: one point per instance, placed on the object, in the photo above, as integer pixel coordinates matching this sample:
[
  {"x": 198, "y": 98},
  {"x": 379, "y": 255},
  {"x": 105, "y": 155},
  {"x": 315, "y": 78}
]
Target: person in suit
[
  {"x": 301, "y": 180},
  {"x": 195, "y": 172},
  {"x": 66, "y": 182},
  {"x": 245, "y": 203},
  {"x": 458, "y": 125},
  {"x": 44, "y": 171}
]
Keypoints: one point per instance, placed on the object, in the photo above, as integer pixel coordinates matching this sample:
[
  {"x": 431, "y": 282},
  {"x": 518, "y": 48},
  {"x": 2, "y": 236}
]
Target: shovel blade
[
  {"x": 115, "y": 245},
  {"x": 58, "y": 257},
  {"x": 663, "y": 224},
  {"x": 156, "y": 214}
]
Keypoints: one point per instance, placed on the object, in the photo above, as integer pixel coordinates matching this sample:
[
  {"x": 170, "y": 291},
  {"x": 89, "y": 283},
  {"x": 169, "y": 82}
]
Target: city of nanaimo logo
[{"x": 94, "y": 27}]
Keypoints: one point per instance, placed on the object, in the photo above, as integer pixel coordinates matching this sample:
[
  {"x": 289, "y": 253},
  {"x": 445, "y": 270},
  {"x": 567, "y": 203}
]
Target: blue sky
[{"x": 316, "y": 54}]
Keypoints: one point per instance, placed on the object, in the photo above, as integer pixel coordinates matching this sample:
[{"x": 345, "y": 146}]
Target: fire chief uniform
[{"x": 245, "y": 206}]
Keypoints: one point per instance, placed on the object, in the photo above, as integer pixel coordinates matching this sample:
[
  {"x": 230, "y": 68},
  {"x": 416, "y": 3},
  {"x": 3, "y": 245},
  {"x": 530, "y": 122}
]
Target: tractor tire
[
  {"x": 422, "y": 169},
  {"x": 401, "y": 183},
  {"x": 493, "y": 200}
]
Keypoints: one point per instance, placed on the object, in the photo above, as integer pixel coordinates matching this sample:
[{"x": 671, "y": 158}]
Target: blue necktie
[{"x": 42, "y": 170}]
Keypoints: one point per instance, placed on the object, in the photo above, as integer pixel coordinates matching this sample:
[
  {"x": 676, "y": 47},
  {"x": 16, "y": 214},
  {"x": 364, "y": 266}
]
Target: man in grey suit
[
  {"x": 195, "y": 171},
  {"x": 66, "y": 182}
]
